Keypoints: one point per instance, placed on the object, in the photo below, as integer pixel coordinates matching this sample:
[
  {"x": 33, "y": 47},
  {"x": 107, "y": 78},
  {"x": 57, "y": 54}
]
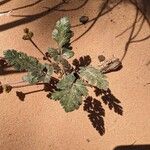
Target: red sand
[{"x": 41, "y": 124}]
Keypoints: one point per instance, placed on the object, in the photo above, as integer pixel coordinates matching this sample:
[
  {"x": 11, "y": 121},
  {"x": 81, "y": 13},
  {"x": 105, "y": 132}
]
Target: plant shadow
[
  {"x": 48, "y": 87},
  {"x": 83, "y": 61},
  {"x": 109, "y": 99},
  {"x": 96, "y": 112}
]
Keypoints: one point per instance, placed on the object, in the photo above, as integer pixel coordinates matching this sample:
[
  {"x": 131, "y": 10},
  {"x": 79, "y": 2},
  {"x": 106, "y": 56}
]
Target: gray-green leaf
[
  {"x": 70, "y": 92},
  {"x": 20, "y": 61},
  {"x": 54, "y": 54},
  {"x": 49, "y": 71},
  {"x": 37, "y": 72},
  {"x": 67, "y": 53},
  {"x": 39, "y": 75},
  {"x": 62, "y": 33},
  {"x": 94, "y": 77},
  {"x": 66, "y": 82}
]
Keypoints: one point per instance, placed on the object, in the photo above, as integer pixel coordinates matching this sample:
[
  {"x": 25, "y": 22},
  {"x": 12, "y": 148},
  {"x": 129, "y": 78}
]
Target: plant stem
[
  {"x": 36, "y": 47},
  {"x": 20, "y": 86},
  {"x": 16, "y": 82},
  {"x": 39, "y": 50},
  {"x": 34, "y": 91},
  {"x": 61, "y": 66}
]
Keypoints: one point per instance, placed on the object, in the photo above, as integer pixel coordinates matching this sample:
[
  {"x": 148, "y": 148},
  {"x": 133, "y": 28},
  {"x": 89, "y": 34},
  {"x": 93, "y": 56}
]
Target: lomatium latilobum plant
[{"x": 72, "y": 83}]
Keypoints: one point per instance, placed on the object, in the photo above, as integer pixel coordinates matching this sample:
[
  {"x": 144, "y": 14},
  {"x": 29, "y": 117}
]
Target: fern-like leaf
[
  {"x": 66, "y": 65},
  {"x": 62, "y": 33},
  {"x": 36, "y": 71},
  {"x": 54, "y": 54},
  {"x": 39, "y": 75},
  {"x": 20, "y": 61},
  {"x": 67, "y": 53},
  {"x": 70, "y": 92},
  {"x": 94, "y": 77}
]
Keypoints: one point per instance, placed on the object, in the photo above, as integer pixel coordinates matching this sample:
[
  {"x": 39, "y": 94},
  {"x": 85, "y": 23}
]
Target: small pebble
[
  {"x": 101, "y": 58},
  {"x": 84, "y": 19}
]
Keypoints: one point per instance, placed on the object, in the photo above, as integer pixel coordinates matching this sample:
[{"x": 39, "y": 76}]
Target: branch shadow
[
  {"x": 74, "y": 9},
  {"x": 144, "y": 6},
  {"x": 22, "y": 7},
  {"x": 105, "y": 8},
  {"x": 38, "y": 1},
  {"x": 4, "y": 2},
  {"x": 27, "y": 18},
  {"x": 133, "y": 34}
]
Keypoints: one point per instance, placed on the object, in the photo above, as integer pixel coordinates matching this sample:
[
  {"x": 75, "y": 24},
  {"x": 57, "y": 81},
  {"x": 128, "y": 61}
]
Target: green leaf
[
  {"x": 70, "y": 92},
  {"x": 94, "y": 77},
  {"x": 20, "y": 61},
  {"x": 37, "y": 72},
  {"x": 66, "y": 82},
  {"x": 62, "y": 33},
  {"x": 39, "y": 75},
  {"x": 48, "y": 72},
  {"x": 81, "y": 88},
  {"x": 67, "y": 53},
  {"x": 66, "y": 65},
  {"x": 54, "y": 54},
  {"x": 31, "y": 78}
]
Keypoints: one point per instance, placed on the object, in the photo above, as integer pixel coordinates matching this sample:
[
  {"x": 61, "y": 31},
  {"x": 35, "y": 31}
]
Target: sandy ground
[{"x": 39, "y": 123}]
